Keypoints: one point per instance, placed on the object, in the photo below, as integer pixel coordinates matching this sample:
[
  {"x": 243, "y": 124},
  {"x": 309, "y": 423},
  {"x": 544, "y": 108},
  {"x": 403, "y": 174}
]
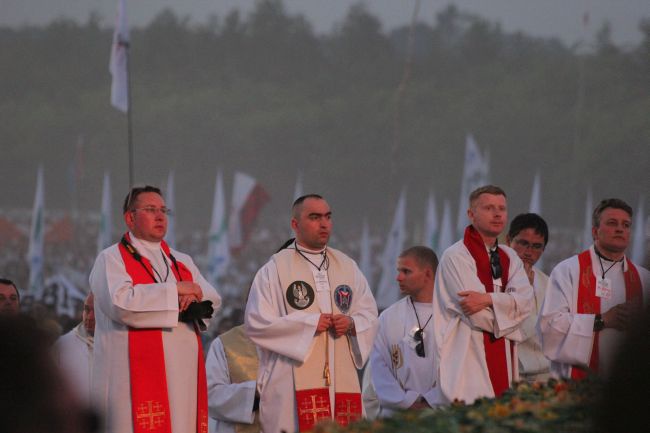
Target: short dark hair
[
  {"x": 297, "y": 204},
  {"x": 485, "y": 189},
  {"x": 8, "y": 282},
  {"x": 132, "y": 196},
  {"x": 613, "y": 203},
  {"x": 525, "y": 221},
  {"x": 425, "y": 256}
]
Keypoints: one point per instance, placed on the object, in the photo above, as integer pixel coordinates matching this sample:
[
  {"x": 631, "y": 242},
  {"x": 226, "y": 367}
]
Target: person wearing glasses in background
[
  {"x": 401, "y": 361},
  {"x": 150, "y": 305},
  {"x": 482, "y": 296},
  {"x": 528, "y": 236},
  {"x": 593, "y": 297}
]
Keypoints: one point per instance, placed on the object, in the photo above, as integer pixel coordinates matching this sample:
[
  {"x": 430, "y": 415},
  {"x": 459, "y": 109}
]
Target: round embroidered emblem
[{"x": 300, "y": 295}]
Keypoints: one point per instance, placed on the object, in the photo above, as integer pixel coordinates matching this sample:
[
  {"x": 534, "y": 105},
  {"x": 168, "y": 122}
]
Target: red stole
[
  {"x": 495, "y": 348},
  {"x": 589, "y": 303},
  {"x": 149, "y": 400}
]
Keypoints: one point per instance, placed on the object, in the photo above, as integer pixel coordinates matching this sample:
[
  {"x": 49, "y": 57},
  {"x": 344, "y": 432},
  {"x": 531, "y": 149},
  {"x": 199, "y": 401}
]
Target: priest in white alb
[
  {"x": 314, "y": 318},
  {"x": 74, "y": 352},
  {"x": 151, "y": 304},
  {"x": 593, "y": 297},
  {"x": 481, "y": 298}
]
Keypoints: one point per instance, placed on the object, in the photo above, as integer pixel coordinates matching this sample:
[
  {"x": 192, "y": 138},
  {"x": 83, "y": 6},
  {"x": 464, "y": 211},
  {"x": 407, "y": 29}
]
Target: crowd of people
[{"x": 313, "y": 346}]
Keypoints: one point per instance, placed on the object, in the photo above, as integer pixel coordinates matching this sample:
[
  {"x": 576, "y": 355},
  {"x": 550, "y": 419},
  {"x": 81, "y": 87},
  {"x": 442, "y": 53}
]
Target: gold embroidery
[
  {"x": 396, "y": 356},
  {"x": 150, "y": 415},
  {"x": 318, "y": 408}
]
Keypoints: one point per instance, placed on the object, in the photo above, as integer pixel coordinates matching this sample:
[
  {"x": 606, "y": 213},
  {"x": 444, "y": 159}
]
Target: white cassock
[
  {"x": 286, "y": 340},
  {"x": 399, "y": 375},
  {"x": 458, "y": 340},
  {"x": 74, "y": 353},
  {"x": 228, "y": 402},
  {"x": 533, "y": 365},
  {"x": 118, "y": 306},
  {"x": 567, "y": 337},
  {"x": 368, "y": 395}
]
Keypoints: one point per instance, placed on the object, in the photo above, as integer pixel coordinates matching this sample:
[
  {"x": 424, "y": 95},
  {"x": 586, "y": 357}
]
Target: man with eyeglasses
[
  {"x": 401, "y": 361},
  {"x": 482, "y": 296},
  {"x": 151, "y": 302},
  {"x": 528, "y": 236},
  {"x": 313, "y": 316},
  {"x": 593, "y": 297}
]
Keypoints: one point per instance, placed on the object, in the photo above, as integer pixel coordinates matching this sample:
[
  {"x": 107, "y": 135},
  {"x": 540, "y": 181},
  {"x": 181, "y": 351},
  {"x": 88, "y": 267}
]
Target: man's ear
[
  {"x": 294, "y": 224},
  {"x": 129, "y": 218}
]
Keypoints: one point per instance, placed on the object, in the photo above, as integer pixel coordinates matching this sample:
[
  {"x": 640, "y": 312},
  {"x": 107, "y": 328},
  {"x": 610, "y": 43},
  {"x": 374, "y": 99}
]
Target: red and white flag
[
  {"x": 248, "y": 198},
  {"x": 119, "y": 58}
]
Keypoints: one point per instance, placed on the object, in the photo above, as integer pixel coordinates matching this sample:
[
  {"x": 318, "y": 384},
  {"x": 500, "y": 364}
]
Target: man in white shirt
[
  {"x": 75, "y": 352},
  {"x": 482, "y": 296},
  {"x": 402, "y": 361},
  {"x": 528, "y": 236},
  {"x": 148, "y": 369},
  {"x": 593, "y": 297},
  {"x": 313, "y": 316}
]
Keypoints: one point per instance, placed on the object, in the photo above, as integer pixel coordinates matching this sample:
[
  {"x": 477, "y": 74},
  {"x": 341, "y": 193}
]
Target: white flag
[
  {"x": 105, "y": 235},
  {"x": 387, "y": 291},
  {"x": 446, "y": 237},
  {"x": 365, "y": 254},
  {"x": 536, "y": 196},
  {"x": 170, "y": 237},
  {"x": 475, "y": 174},
  {"x": 218, "y": 250},
  {"x": 118, "y": 65},
  {"x": 639, "y": 238},
  {"x": 431, "y": 224},
  {"x": 36, "y": 238},
  {"x": 587, "y": 238}
]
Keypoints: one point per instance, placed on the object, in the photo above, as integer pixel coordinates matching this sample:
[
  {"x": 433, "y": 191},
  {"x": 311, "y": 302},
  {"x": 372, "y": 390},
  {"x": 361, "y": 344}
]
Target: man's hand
[
  {"x": 342, "y": 324},
  {"x": 617, "y": 317},
  {"x": 472, "y": 302},
  {"x": 324, "y": 323},
  {"x": 189, "y": 288},
  {"x": 184, "y": 301}
]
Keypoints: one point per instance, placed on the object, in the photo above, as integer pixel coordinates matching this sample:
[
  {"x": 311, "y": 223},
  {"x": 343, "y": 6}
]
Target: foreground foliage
[{"x": 557, "y": 406}]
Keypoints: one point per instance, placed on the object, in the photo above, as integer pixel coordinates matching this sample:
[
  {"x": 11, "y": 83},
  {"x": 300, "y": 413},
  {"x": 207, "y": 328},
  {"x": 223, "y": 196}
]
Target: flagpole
[{"x": 129, "y": 123}]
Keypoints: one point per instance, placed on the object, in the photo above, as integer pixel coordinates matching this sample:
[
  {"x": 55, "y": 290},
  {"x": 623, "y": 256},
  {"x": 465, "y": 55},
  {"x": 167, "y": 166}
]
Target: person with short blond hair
[{"x": 481, "y": 297}]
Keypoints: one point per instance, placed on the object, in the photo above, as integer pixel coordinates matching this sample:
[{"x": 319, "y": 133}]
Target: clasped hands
[
  {"x": 188, "y": 292},
  {"x": 339, "y": 324}
]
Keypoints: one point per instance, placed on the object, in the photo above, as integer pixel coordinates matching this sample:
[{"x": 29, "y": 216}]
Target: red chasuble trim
[
  {"x": 347, "y": 407},
  {"x": 495, "y": 348},
  {"x": 149, "y": 399},
  {"x": 313, "y": 406},
  {"x": 589, "y": 303}
]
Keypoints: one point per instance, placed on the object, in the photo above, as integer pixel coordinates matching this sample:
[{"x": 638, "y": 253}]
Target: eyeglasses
[
  {"x": 419, "y": 337},
  {"x": 525, "y": 245},
  {"x": 495, "y": 264},
  {"x": 151, "y": 210}
]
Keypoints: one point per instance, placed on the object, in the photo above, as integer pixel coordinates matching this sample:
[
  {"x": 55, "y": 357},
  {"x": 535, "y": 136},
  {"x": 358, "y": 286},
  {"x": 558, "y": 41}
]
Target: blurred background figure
[
  {"x": 35, "y": 396},
  {"x": 9, "y": 297}
]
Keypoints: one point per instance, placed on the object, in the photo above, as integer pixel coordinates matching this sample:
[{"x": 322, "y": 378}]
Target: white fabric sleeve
[
  {"x": 389, "y": 392},
  {"x": 290, "y": 335},
  {"x": 365, "y": 319},
  {"x": 227, "y": 401},
  {"x": 567, "y": 337},
  {"x": 512, "y": 306}
]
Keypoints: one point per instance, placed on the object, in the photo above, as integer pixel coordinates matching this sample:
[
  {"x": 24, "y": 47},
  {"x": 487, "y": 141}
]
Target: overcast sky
[{"x": 558, "y": 18}]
